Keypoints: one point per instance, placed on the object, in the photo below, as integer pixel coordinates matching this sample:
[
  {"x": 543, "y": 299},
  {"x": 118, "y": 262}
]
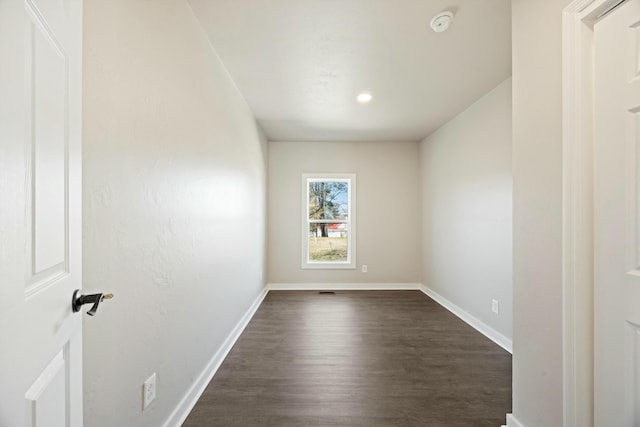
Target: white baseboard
[
  {"x": 190, "y": 399},
  {"x": 343, "y": 286},
  {"x": 512, "y": 422},
  {"x": 477, "y": 324}
]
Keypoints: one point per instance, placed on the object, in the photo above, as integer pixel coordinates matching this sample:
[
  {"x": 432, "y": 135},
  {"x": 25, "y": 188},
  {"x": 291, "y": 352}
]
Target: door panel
[
  {"x": 40, "y": 229},
  {"x": 46, "y": 396},
  {"x": 47, "y": 90},
  {"x": 617, "y": 216}
]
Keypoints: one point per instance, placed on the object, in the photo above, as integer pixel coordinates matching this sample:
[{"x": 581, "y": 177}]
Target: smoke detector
[{"x": 441, "y": 21}]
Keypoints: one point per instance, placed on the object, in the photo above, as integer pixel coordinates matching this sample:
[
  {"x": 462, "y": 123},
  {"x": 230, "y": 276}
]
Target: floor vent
[{"x": 327, "y": 293}]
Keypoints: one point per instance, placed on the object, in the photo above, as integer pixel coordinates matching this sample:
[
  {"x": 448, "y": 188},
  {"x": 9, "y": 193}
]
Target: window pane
[
  {"x": 328, "y": 200},
  {"x": 328, "y": 242}
]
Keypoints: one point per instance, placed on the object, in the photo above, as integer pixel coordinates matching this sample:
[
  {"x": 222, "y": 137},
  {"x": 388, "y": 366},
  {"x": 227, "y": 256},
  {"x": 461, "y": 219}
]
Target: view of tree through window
[{"x": 328, "y": 220}]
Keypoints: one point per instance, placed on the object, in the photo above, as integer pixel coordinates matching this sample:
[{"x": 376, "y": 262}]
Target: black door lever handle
[{"x": 77, "y": 301}]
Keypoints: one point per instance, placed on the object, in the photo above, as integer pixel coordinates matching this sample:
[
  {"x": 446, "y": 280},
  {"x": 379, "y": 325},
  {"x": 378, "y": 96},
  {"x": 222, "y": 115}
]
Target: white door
[
  {"x": 617, "y": 217},
  {"x": 40, "y": 229}
]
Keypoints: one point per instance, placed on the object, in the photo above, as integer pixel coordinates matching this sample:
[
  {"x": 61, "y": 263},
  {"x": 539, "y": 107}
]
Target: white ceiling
[{"x": 301, "y": 63}]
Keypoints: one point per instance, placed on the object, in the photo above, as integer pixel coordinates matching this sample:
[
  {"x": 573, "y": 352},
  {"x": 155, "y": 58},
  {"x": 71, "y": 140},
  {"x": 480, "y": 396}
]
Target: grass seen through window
[{"x": 327, "y": 248}]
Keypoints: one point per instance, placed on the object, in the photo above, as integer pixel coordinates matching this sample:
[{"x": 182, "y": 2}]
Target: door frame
[{"x": 578, "y": 234}]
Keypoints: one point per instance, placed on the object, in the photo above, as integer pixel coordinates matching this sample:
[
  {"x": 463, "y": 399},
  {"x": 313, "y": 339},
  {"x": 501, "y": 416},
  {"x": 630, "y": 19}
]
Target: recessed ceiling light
[{"x": 363, "y": 98}]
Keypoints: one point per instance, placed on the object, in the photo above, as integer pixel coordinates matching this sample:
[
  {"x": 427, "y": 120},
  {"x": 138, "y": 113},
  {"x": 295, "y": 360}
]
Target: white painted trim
[
  {"x": 472, "y": 321},
  {"x": 344, "y": 286},
  {"x": 180, "y": 413},
  {"x": 578, "y": 263},
  {"x": 513, "y": 422}
]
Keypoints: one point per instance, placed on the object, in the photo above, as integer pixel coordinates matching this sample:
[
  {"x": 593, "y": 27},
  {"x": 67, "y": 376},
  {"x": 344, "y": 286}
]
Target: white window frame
[{"x": 350, "y": 263}]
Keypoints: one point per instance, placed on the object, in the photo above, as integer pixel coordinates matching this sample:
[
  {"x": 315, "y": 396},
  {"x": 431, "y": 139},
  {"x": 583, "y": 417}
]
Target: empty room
[{"x": 319, "y": 213}]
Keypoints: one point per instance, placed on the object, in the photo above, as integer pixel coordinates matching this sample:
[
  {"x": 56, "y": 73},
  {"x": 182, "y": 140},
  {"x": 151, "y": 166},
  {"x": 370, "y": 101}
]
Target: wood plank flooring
[{"x": 357, "y": 358}]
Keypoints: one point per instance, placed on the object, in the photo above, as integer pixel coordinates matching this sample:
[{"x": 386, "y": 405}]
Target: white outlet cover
[
  {"x": 495, "y": 306},
  {"x": 149, "y": 391}
]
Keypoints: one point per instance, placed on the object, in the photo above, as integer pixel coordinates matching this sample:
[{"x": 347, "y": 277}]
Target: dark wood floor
[{"x": 361, "y": 358}]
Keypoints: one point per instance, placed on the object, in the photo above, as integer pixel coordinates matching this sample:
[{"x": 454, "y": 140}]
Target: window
[{"x": 328, "y": 221}]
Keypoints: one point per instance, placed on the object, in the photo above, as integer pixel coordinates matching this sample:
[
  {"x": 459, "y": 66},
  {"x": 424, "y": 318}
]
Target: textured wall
[
  {"x": 174, "y": 206},
  {"x": 466, "y": 205},
  {"x": 537, "y": 214},
  {"x": 388, "y": 209}
]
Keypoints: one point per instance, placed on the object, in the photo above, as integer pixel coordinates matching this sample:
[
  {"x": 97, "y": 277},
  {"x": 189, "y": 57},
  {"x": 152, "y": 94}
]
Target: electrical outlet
[
  {"x": 364, "y": 268},
  {"x": 148, "y": 391},
  {"x": 495, "y": 306}
]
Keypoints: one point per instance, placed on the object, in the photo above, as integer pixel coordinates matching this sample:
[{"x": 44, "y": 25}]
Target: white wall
[
  {"x": 466, "y": 205},
  {"x": 174, "y": 206},
  {"x": 388, "y": 209},
  {"x": 537, "y": 220}
]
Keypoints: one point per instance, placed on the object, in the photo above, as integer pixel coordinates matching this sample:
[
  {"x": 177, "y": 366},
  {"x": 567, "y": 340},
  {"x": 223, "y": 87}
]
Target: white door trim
[{"x": 578, "y": 315}]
